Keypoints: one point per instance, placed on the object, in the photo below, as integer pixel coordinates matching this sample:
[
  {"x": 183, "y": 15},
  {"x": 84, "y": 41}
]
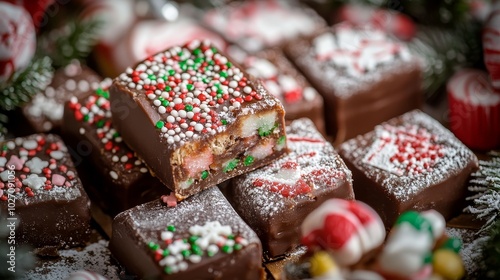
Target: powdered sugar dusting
[
  {"x": 341, "y": 60},
  {"x": 471, "y": 248},
  {"x": 455, "y": 158},
  {"x": 96, "y": 258},
  {"x": 255, "y": 25},
  {"x": 150, "y": 220},
  {"x": 311, "y": 166}
]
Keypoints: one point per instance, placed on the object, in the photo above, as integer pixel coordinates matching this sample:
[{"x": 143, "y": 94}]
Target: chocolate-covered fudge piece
[
  {"x": 195, "y": 118},
  {"x": 275, "y": 199},
  {"x": 410, "y": 162},
  {"x": 201, "y": 238},
  {"x": 45, "y": 111},
  {"x": 364, "y": 76},
  {"x": 256, "y": 25},
  {"x": 41, "y": 192},
  {"x": 125, "y": 181},
  {"x": 282, "y": 80}
]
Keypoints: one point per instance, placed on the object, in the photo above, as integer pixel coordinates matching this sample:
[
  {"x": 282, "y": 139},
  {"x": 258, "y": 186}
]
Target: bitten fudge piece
[
  {"x": 282, "y": 80},
  {"x": 45, "y": 111},
  {"x": 41, "y": 190},
  {"x": 196, "y": 119},
  {"x": 256, "y": 25},
  {"x": 124, "y": 180},
  {"x": 275, "y": 199},
  {"x": 363, "y": 75},
  {"x": 409, "y": 163},
  {"x": 201, "y": 238}
]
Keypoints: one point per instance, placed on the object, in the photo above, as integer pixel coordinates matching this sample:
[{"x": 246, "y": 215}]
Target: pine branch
[
  {"x": 24, "y": 84},
  {"x": 75, "y": 40},
  {"x": 486, "y": 186},
  {"x": 490, "y": 262}
]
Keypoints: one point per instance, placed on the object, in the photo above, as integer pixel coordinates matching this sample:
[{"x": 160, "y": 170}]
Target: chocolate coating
[
  {"x": 45, "y": 111},
  {"x": 51, "y": 206},
  {"x": 275, "y": 199},
  {"x": 390, "y": 191},
  {"x": 135, "y": 228},
  {"x": 217, "y": 138},
  {"x": 357, "y": 99},
  {"x": 121, "y": 180}
]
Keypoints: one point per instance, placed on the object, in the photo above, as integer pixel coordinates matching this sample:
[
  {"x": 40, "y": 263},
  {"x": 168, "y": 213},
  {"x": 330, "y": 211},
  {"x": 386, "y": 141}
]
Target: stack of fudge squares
[{"x": 190, "y": 118}]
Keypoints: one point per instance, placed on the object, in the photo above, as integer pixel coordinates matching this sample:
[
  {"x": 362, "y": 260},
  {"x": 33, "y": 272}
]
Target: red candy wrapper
[{"x": 474, "y": 109}]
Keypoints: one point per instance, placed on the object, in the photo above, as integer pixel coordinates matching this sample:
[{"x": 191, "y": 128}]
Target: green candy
[
  {"x": 454, "y": 244},
  {"x": 248, "y": 160},
  {"x": 231, "y": 165},
  {"x": 159, "y": 124},
  {"x": 416, "y": 220},
  {"x": 204, "y": 174},
  {"x": 171, "y": 228}
]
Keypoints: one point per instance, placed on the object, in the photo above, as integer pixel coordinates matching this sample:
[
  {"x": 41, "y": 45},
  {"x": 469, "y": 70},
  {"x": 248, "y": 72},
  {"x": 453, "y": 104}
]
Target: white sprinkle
[
  {"x": 162, "y": 110},
  {"x": 170, "y": 119},
  {"x": 113, "y": 175},
  {"x": 198, "y": 127},
  {"x": 124, "y": 159},
  {"x": 143, "y": 170},
  {"x": 82, "y": 130},
  {"x": 57, "y": 154},
  {"x": 195, "y": 258},
  {"x": 115, "y": 159},
  {"x": 157, "y": 102},
  {"x": 151, "y": 96}
]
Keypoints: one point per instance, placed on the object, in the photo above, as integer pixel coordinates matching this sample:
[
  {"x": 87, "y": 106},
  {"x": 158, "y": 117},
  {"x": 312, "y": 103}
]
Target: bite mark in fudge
[
  {"x": 282, "y": 80},
  {"x": 256, "y": 25},
  {"x": 275, "y": 199},
  {"x": 409, "y": 163},
  {"x": 201, "y": 238},
  {"x": 51, "y": 206},
  {"x": 45, "y": 111},
  {"x": 196, "y": 119},
  {"x": 125, "y": 180},
  {"x": 364, "y": 76}
]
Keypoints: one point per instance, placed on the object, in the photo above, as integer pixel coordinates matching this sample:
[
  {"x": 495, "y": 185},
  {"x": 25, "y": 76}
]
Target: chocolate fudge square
[
  {"x": 410, "y": 162},
  {"x": 123, "y": 179},
  {"x": 51, "y": 208},
  {"x": 364, "y": 76},
  {"x": 257, "y": 25},
  {"x": 195, "y": 118},
  {"x": 282, "y": 80},
  {"x": 45, "y": 111},
  {"x": 275, "y": 199},
  {"x": 201, "y": 238}
]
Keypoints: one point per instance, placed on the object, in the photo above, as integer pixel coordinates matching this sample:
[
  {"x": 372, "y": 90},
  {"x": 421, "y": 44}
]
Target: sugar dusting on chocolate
[
  {"x": 339, "y": 78},
  {"x": 95, "y": 257},
  {"x": 456, "y": 157},
  {"x": 311, "y": 159}
]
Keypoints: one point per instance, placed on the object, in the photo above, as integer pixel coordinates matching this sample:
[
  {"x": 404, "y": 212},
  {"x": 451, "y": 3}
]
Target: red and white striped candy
[
  {"x": 348, "y": 229},
  {"x": 474, "y": 109},
  {"x": 491, "y": 46}
]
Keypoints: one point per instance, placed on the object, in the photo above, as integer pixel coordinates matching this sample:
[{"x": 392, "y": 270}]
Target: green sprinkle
[
  {"x": 5, "y": 148},
  {"x": 211, "y": 63},
  {"x": 192, "y": 239},
  {"x": 102, "y": 93},
  {"x": 231, "y": 236},
  {"x": 116, "y": 134},
  {"x": 265, "y": 131},
  {"x": 223, "y": 74},
  {"x": 171, "y": 72},
  {"x": 159, "y": 124},
  {"x": 168, "y": 270},
  {"x": 219, "y": 94},
  {"x": 168, "y": 88},
  {"x": 171, "y": 228},
  {"x": 227, "y": 249},
  {"x": 152, "y": 77},
  {"x": 205, "y": 80},
  {"x": 248, "y": 160},
  {"x": 211, "y": 253},
  {"x": 186, "y": 253},
  {"x": 237, "y": 246},
  {"x": 196, "y": 52},
  {"x": 224, "y": 122},
  {"x": 166, "y": 252},
  {"x": 164, "y": 77},
  {"x": 214, "y": 50},
  {"x": 100, "y": 123},
  {"x": 198, "y": 60},
  {"x": 281, "y": 140},
  {"x": 231, "y": 165},
  {"x": 196, "y": 250},
  {"x": 188, "y": 108},
  {"x": 165, "y": 103},
  {"x": 204, "y": 174},
  {"x": 86, "y": 118},
  {"x": 229, "y": 64},
  {"x": 180, "y": 53},
  {"x": 183, "y": 65},
  {"x": 153, "y": 246},
  {"x": 190, "y": 86}
]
